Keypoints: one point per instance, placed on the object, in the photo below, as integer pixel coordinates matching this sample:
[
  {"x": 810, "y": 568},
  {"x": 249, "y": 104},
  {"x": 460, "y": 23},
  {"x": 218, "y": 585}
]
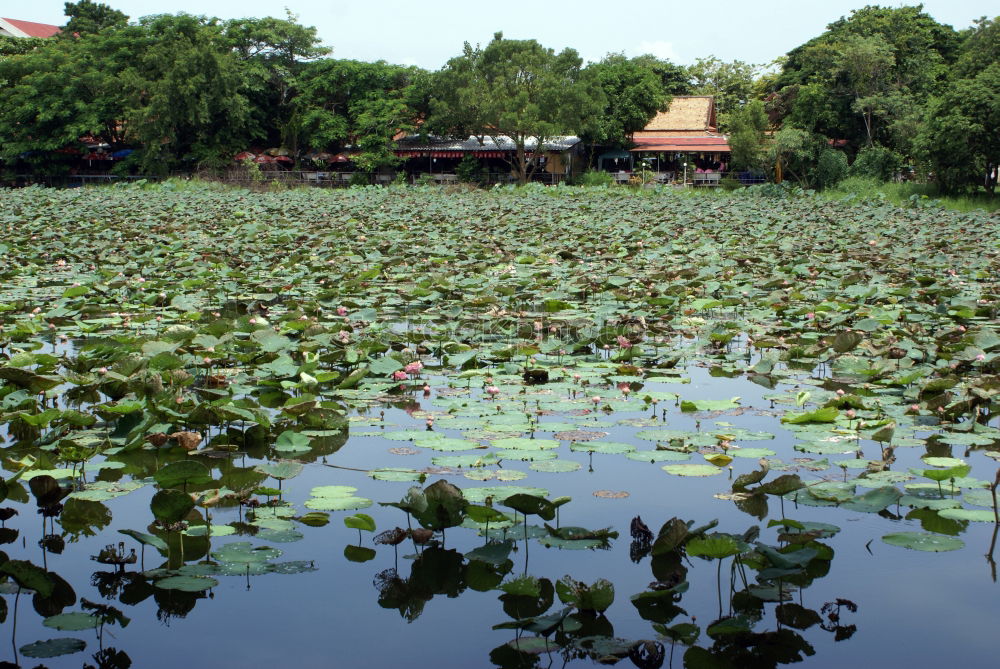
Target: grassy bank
[{"x": 908, "y": 194}]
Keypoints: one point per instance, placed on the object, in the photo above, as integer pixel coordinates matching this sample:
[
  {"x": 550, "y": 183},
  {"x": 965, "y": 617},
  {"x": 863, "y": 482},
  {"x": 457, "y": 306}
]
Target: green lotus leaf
[
  {"x": 72, "y": 622},
  {"x": 923, "y": 541},
  {"x": 53, "y": 648},
  {"x": 692, "y": 470}
]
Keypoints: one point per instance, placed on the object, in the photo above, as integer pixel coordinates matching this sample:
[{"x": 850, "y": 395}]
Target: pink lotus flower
[
  {"x": 399, "y": 376},
  {"x": 492, "y": 391},
  {"x": 915, "y": 407},
  {"x": 102, "y": 370},
  {"x": 623, "y": 342},
  {"x": 341, "y": 310},
  {"x": 810, "y": 315},
  {"x": 595, "y": 400},
  {"x": 851, "y": 413},
  {"x": 840, "y": 391},
  {"x": 414, "y": 367}
]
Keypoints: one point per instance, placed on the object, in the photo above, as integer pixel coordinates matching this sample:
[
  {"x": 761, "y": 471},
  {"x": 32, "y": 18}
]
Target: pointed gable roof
[
  {"x": 687, "y": 113},
  {"x": 19, "y": 28}
]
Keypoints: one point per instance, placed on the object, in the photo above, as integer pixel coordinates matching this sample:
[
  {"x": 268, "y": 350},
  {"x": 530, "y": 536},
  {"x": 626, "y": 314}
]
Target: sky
[{"x": 428, "y": 33}]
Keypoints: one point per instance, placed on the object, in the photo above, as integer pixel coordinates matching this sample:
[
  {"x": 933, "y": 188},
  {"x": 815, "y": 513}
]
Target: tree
[
  {"x": 865, "y": 64},
  {"x": 64, "y": 89},
  {"x": 186, "y": 95},
  {"x": 793, "y": 152},
  {"x": 980, "y": 48},
  {"x": 747, "y": 139},
  {"x": 674, "y": 79},
  {"x": 865, "y": 73},
  {"x": 272, "y": 53},
  {"x": 732, "y": 84},
  {"x": 960, "y": 137},
  {"x": 517, "y": 89},
  {"x": 347, "y": 102},
  {"x": 87, "y": 17},
  {"x": 633, "y": 93}
]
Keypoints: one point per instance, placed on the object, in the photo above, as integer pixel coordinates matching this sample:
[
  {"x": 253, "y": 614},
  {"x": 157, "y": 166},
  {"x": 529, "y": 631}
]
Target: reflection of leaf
[
  {"x": 595, "y": 597},
  {"x": 28, "y": 576},
  {"x": 171, "y": 505}
]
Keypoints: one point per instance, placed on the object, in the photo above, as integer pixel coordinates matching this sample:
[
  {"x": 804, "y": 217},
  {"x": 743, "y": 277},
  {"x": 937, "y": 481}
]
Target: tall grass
[{"x": 907, "y": 194}]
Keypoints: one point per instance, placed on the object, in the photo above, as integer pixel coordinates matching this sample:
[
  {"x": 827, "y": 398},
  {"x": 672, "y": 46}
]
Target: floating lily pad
[
  {"x": 482, "y": 460},
  {"x": 72, "y": 622},
  {"x": 975, "y": 515},
  {"x": 53, "y": 648},
  {"x": 525, "y": 444},
  {"x": 922, "y": 541},
  {"x": 692, "y": 470},
  {"x": 217, "y": 531},
  {"x": 555, "y": 466},
  {"x": 527, "y": 456},
  {"x": 659, "y": 455},
  {"x": 397, "y": 475},
  {"x": 243, "y": 552},
  {"x": 439, "y": 443},
  {"x": 755, "y": 453},
  {"x": 607, "y": 447}
]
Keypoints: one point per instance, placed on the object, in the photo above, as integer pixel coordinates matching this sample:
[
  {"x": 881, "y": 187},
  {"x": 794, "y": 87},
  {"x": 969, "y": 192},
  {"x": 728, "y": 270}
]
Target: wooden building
[{"x": 687, "y": 132}]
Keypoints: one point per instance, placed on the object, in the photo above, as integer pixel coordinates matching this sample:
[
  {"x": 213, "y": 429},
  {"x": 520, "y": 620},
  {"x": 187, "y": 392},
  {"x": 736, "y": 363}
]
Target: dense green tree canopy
[
  {"x": 517, "y": 89},
  {"x": 348, "y": 102},
  {"x": 960, "y": 134},
  {"x": 633, "y": 93},
  {"x": 87, "y": 17},
  {"x": 892, "y": 84}
]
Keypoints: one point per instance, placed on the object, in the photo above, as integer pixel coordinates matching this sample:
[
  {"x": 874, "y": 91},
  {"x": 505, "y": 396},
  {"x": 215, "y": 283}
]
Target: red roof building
[
  {"x": 19, "y": 28},
  {"x": 688, "y": 126}
]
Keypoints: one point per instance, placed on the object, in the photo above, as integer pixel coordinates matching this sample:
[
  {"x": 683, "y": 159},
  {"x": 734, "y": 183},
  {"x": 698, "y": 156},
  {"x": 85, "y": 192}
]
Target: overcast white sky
[{"x": 429, "y": 33}]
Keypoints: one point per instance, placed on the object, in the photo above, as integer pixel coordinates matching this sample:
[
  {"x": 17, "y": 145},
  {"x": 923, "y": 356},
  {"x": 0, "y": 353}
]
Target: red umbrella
[
  {"x": 244, "y": 155},
  {"x": 283, "y": 159},
  {"x": 263, "y": 159}
]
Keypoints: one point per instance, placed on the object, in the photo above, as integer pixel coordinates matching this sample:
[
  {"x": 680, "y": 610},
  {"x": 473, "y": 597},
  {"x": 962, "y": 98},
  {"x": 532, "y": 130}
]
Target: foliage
[
  {"x": 341, "y": 102},
  {"x": 517, "y": 89},
  {"x": 831, "y": 168},
  {"x": 595, "y": 178},
  {"x": 747, "y": 138},
  {"x": 88, "y": 17},
  {"x": 633, "y": 93},
  {"x": 732, "y": 84},
  {"x": 959, "y": 136},
  {"x": 876, "y": 162},
  {"x": 469, "y": 169}
]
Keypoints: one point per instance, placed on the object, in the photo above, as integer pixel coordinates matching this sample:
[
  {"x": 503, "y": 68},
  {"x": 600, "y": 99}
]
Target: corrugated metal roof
[
  {"x": 29, "y": 28},
  {"x": 472, "y": 144}
]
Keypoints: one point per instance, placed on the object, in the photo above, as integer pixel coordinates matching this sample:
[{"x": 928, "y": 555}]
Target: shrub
[
  {"x": 876, "y": 162},
  {"x": 469, "y": 170},
  {"x": 831, "y": 168},
  {"x": 360, "y": 179},
  {"x": 595, "y": 178},
  {"x": 729, "y": 183}
]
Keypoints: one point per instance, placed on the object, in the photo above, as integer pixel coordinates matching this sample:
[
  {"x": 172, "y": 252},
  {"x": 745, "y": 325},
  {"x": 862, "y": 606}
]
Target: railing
[{"x": 680, "y": 179}]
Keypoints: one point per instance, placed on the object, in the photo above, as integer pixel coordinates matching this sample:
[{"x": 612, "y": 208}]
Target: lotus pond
[{"x": 517, "y": 428}]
